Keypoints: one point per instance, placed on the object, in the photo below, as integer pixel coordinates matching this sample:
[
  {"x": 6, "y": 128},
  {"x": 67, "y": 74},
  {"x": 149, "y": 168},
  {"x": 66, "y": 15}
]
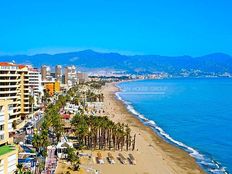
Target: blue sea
[{"x": 193, "y": 114}]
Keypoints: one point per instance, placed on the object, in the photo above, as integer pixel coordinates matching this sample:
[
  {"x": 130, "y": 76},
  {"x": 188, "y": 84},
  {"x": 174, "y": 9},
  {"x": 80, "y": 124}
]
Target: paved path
[{"x": 51, "y": 160}]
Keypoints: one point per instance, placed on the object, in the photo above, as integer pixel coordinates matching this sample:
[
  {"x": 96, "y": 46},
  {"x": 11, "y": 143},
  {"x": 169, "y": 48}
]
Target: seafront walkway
[{"x": 50, "y": 161}]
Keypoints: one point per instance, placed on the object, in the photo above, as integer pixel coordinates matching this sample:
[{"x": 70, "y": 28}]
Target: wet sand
[{"x": 153, "y": 155}]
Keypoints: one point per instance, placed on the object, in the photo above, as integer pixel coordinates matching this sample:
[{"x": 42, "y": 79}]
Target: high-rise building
[
  {"x": 58, "y": 73},
  {"x": 14, "y": 85},
  {"x": 35, "y": 85},
  {"x": 82, "y": 77},
  {"x": 8, "y": 153},
  {"x": 70, "y": 75},
  {"x": 45, "y": 72}
]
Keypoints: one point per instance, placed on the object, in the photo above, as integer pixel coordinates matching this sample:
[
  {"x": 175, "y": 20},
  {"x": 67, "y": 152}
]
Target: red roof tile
[
  {"x": 66, "y": 116},
  {"x": 11, "y": 64}
]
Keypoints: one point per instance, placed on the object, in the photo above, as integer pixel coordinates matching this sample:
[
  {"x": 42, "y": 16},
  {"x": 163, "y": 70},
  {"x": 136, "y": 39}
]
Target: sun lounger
[
  {"x": 122, "y": 158},
  {"x": 99, "y": 158},
  {"x": 132, "y": 159},
  {"x": 111, "y": 158}
]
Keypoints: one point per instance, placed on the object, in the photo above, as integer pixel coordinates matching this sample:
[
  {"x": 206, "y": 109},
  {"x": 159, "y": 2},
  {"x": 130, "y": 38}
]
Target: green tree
[{"x": 73, "y": 157}]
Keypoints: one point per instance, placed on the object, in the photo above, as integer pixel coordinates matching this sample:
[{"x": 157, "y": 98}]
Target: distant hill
[{"x": 89, "y": 59}]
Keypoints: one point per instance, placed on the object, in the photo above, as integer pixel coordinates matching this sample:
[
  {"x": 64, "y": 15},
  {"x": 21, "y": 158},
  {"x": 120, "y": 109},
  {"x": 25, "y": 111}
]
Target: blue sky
[{"x": 165, "y": 27}]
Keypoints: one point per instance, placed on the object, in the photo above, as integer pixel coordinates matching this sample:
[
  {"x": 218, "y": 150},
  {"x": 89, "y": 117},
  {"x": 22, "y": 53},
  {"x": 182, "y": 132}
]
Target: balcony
[
  {"x": 17, "y": 106},
  {"x": 9, "y": 75},
  {"x": 9, "y": 80},
  {"x": 26, "y": 111},
  {"x": 10, "y": 97},
  {"x": 8, "y": 86},
  {"x": 8, "y": 92},
  {"x": 16, "y": 102},
  {"x": 16, "y": 113}
]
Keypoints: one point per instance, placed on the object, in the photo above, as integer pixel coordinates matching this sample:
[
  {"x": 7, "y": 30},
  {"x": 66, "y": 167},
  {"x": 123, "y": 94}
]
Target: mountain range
[{"x": 89, "y": 59}]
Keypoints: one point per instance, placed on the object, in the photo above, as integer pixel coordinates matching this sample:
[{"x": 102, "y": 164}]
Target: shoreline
[{"x": 170, "y": 159}]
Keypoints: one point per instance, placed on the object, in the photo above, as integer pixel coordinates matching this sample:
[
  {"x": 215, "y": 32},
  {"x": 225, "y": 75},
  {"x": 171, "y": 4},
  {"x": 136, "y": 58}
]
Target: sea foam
[{"x": 211, "y": 167}]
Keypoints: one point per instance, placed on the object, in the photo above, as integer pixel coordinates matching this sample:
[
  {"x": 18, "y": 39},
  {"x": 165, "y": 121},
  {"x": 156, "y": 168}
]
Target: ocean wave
[
  {"x": 210, "y": 165},
  {"x": 118, "y": 96},
  {"x": 150, "y": 122}
]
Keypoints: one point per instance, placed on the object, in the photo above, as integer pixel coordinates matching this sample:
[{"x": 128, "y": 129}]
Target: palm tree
[
  {"x": 76, "y": 101},
  {"x": 57, "y": 125},
  {"x": 93, "y": 131},
  {"x": 73, "y": 157},
  {"x": 27, "y": 172},
  {"x": 36, "y": 142},
  {"x": 127, "y": 132},
  {"x": 133, "y": 145},
  {"x": 46, "y": 96},
  {"x": 19, "y": 169}
]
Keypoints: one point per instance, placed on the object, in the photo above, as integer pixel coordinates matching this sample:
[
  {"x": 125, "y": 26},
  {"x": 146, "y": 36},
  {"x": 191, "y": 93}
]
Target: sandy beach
[{"x": 153, "y": 155}]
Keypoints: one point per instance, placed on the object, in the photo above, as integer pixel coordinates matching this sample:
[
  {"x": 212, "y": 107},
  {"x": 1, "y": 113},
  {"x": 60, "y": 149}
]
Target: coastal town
[
  {"x": 69, "y": 122},
  {"x": 115, "y": 87}
]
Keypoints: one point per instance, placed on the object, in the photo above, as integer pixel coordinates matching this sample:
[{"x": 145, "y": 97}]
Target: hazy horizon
[{"x": 103, "y": 52}]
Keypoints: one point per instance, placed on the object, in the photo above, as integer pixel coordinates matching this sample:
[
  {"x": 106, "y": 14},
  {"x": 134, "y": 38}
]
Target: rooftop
[
  {"x": 6, "y": 149},
  {"x": 11, "y": 64}
]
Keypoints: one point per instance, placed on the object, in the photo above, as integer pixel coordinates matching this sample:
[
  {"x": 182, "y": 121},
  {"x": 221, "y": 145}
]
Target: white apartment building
[
  {"x": 82, "y": 77},
  {"x": 35, "y": 85},
  {"x": 46, "y": 73},
  {"x": 58, "y": 73},
  {"x": 70, "y": 75}
]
